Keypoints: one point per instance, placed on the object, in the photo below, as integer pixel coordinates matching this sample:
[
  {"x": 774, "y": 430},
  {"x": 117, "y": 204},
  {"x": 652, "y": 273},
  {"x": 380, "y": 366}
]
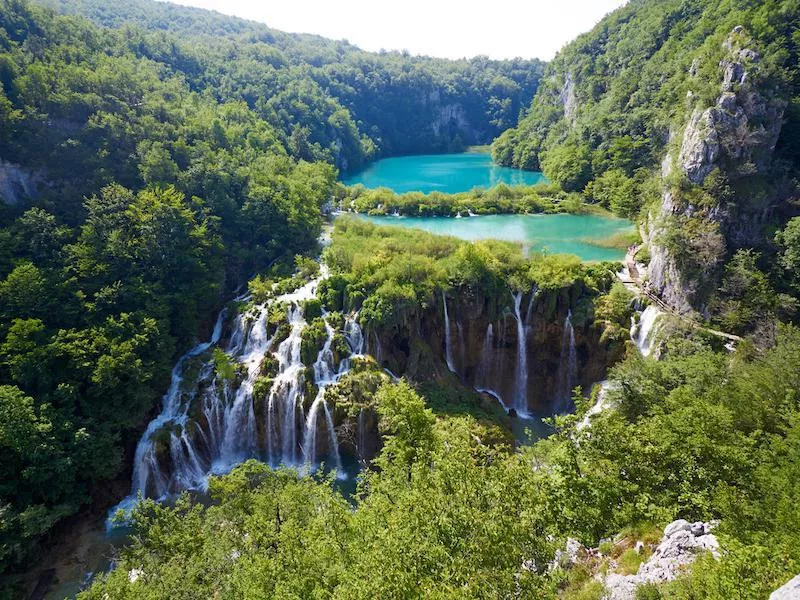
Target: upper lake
[
  {"x": 448, "y": 173},
  {"x": 555, "y": 234}
]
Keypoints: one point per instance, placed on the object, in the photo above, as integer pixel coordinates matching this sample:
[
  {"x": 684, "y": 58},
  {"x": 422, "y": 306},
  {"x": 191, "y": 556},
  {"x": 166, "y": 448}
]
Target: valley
[{"x": 280, "y": 317}]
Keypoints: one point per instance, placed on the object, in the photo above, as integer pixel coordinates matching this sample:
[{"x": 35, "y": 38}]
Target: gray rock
[
  {"x": 679, "y": 547},
  {"x": 568, "y": 556},
  {"x": 789, "y": 591},
  {"x": 18, "y": 184},
  {"x": 675, "y": 527}
]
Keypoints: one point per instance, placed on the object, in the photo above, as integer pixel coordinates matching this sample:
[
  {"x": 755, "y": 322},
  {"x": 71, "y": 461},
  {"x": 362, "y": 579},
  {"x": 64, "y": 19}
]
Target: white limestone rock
[
  {"x": 682, "y": 543},
  {"x": 789, "y": 591}
]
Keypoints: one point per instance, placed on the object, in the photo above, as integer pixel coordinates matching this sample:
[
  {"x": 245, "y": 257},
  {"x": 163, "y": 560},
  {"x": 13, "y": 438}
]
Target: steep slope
[
  {"x": 688, "y": 108},
  {"x": 316, "y": 89}
]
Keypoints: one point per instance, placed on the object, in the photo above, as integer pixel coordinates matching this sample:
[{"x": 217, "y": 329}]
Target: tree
[{"x": 569, "y": 166}]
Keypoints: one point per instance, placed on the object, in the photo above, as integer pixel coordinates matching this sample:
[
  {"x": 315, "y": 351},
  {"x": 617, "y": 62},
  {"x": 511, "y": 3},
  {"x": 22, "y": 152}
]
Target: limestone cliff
[
  {"x": 735, "y": 138},
  {"x": 17, "y": 184},
  {"x": 485, "y": 345}
]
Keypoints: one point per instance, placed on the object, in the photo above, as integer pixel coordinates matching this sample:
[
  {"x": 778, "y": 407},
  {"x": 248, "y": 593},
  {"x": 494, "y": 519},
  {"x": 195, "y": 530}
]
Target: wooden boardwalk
[{"x": 633, "y": 282}]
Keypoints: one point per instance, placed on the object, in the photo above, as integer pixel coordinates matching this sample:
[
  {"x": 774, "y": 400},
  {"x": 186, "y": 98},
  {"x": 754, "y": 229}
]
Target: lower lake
[{"x": 583, "y": 235}]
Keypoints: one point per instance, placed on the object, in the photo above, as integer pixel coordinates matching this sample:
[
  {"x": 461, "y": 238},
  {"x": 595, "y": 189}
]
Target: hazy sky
[{"x": 445, "y": 28}]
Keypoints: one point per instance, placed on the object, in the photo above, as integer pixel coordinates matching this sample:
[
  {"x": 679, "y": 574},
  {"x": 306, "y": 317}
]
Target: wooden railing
[{"x": 634, "y": 283}]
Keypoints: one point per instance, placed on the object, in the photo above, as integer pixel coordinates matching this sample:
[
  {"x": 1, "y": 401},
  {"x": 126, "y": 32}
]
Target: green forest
[{"x": 169, "y": 175}]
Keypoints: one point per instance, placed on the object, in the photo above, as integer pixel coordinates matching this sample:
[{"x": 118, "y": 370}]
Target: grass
[
  {"x": 629, "y": 562},
  {"x": 620, "y": 240}
]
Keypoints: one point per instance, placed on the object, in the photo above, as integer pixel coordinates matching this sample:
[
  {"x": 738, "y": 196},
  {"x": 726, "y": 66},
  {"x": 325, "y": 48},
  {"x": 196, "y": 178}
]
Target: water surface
[
  {"x": 554, "y": 234},
  {"x": 448, "y": 173}
]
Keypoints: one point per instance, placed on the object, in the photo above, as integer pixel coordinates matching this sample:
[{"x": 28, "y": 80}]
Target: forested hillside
[
  {"x": 160, "y": 165},
  {"x": 683, "y": 115},
  {"x": 145, "y": 175},
  {"x": 333, "y": 101}
]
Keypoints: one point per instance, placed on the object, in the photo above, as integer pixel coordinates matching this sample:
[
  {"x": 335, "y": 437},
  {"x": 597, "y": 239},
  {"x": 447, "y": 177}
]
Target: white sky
[{"x": 444, "y": 28}]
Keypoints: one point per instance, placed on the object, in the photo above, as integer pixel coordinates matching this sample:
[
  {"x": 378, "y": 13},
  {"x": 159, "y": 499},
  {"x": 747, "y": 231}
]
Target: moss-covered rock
[{"x": 312, "y": 340}]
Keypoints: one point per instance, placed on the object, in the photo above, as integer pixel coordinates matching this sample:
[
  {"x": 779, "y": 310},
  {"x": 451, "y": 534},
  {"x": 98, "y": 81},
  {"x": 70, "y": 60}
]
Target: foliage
[
  {"x": 611, "y": 100},
  {"x": 444, "y": 517},
  {"x": 501, "y": 199},
  {"x": 327, "y": 100}
]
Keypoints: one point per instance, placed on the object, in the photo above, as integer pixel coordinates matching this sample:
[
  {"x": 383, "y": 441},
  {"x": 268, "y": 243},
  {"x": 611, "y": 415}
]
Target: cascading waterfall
[
  {"x": 324, "y": 375},
  {"x": 567, "y": 367},
  {"x": 602, "y": 403},
  {"x": 284, "y": 404},
  {"x": 483, "y": 376},
  {"x": 521, "y": 380},
  {"x": 448, "y": 342},
  {"x": 645, "y": 334},
  {"x": 528, "y": 324},
  {"x": 145, "y": 465},
  {"x": 210, "y": 424},
  {"x": 462, "y": 346},
  {"x": 487, "y": 352}
]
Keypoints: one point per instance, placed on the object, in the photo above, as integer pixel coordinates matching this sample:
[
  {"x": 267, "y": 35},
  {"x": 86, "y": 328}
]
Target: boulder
[
  {"x": 682, "y": 543},
  {"x": 788, "y": 591},
  {"x": 675, "y": 527}
]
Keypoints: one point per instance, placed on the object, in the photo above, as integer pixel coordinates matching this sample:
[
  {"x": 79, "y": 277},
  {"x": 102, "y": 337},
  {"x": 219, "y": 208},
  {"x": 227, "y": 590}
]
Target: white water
[
  {"x": 172, "y": 410},
  {"x": 521, "y": 374},
  {"x": 567, "y": 367},
  {"x": 603, "y": 403},
  {"x": 209, "y": 425},
  {"x": 325, "y": 373},
  {"x": 448, "y": 342},
  {"x": 645, "y": 333}
]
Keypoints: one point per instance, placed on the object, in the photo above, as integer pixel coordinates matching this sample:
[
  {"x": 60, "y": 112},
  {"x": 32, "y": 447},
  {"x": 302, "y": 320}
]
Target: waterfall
[
  {"x": 448, "y": 343},
  {"x": 487, "y": 352},
  {"x": 567, "y": 367},
  {"x": 462, "y": 347},
  {"x": 355, "y": 339},
  {"x": 644, "y": 335},
  {"x": 310, "y": 436},
  {"x": 484, "y": 375},
  {"x": 603, "y": 402},
  {"x": 209, "y": 424},
  {"x": 145, "y": 463},
  {"x": 521, "y": 380},
  {"x": 285, "y": 397},
  {"x": 239, "y": 437},
  {"x": 530, "y": 308}
]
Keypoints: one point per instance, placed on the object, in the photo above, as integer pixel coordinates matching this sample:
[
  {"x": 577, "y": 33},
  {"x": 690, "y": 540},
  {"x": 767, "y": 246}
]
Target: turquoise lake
[
  {"x": 554, "y": 234},
  {"x": 448, "y": 173}
]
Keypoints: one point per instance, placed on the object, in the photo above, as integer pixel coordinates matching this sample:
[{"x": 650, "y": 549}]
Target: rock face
[
  {"x": 17, "y": 183},
  {"x": 680, "y": 546},
  {"x": 737, "y": 135},
  {"x": 485, "y": 346},
  {"x": 789, "y": 591},
  {"x": 567, "y": 97}
]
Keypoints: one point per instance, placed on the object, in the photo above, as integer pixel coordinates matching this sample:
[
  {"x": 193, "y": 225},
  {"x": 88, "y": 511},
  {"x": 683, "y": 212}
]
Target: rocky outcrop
[
  {"x": 17, "y": 184},
  {"x": 484, "y": 352},
  {"x": 452, "y": 116},
  {"x": 789, "y": 591},
  {"x": 567, "y": 97},
  {"x": 737, "y": 135},
  {"x": 682, "y": 543}
]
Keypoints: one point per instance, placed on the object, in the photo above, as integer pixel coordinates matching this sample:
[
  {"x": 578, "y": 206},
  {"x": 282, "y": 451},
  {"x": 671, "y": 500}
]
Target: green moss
[
  {"x": 312, "y": 340},
  {"x": 312, "y": 309}
]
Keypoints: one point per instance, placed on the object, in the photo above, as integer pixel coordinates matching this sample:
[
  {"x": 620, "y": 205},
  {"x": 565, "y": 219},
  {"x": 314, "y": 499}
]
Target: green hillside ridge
[{"x": 157, "y": 161}]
